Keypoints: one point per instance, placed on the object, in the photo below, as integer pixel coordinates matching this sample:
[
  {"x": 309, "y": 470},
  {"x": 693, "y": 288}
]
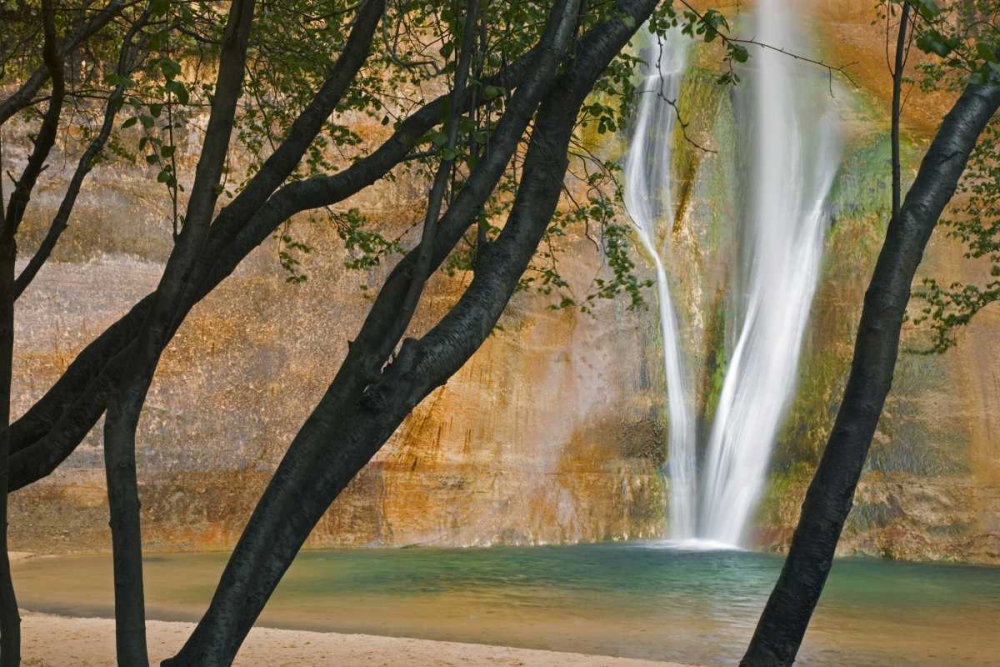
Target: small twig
[{"x": 831, "y": 69}]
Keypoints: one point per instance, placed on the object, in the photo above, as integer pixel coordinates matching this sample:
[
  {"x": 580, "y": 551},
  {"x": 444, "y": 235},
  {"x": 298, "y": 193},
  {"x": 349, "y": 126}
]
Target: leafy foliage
[
  {"x": 293, "y": 47},
  {"x": 964, "y": 40}
]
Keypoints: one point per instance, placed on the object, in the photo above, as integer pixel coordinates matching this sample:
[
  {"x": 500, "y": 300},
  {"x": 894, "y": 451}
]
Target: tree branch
[
  {"x": 47, "y": 132},
  {"x": 897, "y": 91},
  {"x": 23, "y": 97},
  {"x": 49, "y": 431},
  {"x": 61, "y": 220}
]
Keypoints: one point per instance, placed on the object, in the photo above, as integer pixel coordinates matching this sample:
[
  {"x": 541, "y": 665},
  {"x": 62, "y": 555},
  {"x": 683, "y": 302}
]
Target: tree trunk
[
  {"x": 10, "y": 220},
  {"x": 127, "y": 400},
  {"x": 126, "y": 534},
  {"x": 830, "y": 496},
  {"x": 10, "y": 621}
]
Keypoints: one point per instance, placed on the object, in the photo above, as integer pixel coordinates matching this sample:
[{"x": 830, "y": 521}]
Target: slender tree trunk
[
  {"x": 126, "y": 532},
  {"x": 830, "y": 496},
  {"x": 10, "y": 220},
  {"x": 126, "y": 402},
  {"x": 897, "y": 96},
  {"x": 10, "y": 621}
]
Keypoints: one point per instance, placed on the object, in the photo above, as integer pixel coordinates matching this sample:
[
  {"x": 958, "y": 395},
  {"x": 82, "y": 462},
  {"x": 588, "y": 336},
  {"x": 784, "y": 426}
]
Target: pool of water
[{"x": 635, "y": 600}]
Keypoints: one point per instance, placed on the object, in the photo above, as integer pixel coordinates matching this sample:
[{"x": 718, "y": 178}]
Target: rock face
[
  {"x": 555, "y": 430},
  {"x": 552, "y": 433}
]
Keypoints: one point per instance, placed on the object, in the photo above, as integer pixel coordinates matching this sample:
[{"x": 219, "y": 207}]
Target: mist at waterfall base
[
  {"x": 789, "y": 152},
  {"x": 628, "y": 599}
]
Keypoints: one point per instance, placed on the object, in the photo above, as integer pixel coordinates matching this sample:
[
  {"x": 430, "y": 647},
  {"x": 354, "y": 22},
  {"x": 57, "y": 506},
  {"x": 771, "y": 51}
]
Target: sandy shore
[{"x": 57, "y": 641}]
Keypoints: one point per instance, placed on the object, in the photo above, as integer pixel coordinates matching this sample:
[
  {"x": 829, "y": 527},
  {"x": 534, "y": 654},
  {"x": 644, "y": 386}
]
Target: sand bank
[{"x": 58, "y": 641}]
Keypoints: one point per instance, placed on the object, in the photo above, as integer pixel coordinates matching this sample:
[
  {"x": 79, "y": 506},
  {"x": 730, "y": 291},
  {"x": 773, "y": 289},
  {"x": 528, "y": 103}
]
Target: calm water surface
[{"x": 634, "y": 600}]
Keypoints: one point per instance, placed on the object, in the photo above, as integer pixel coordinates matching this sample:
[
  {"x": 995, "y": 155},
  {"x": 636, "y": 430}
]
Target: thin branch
[
  {"x": 46, "y": 134},
  {"x": 424, "y": 259},
  {"x": 23, "y": 97},
  {"x": 897, "y": 89},
  {"x": 126, "y": 64},
  {"x": 831, "y": 69}
]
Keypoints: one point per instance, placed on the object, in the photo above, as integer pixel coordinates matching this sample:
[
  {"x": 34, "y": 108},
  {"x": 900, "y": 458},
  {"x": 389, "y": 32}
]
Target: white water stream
[
  {"x": 649, "y": 202},
  {"x": 792, "y": 160},
  {"x": 795, "y": 156}
]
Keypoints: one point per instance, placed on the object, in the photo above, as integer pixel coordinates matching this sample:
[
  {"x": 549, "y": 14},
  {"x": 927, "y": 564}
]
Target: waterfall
[
  {"x": 791, "y": 141},
  {"x": 794, "y": 157},
  {"x": 649, "y": 202}
]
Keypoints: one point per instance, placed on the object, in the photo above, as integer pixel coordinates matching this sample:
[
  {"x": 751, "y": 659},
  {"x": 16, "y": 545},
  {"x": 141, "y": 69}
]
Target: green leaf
[
  {"x": 179, "y": 90},
  {"x": 986, "y": 52},
  {"x": 492, "y": 92},
  {"x": 933, "y": 42},
  {"x": 158, "y": 40},
  {"x": 439, "y": 139},
  {"x": 928, "y": 9},
  {"x": 170, "y": 68}
]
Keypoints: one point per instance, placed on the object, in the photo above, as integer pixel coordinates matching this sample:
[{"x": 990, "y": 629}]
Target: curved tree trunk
[
  {"x": 897, "y": 101},
  {"x": 126, "y": 535},
  {"x": 830, "y": 496}
]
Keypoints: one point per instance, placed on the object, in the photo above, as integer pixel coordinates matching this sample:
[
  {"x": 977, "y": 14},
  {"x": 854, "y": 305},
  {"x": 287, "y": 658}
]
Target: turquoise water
[{"x": 634, "y": 600}]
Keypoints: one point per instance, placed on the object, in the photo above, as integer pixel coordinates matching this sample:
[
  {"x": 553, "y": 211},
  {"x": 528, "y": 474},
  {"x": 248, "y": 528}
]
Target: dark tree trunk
[
  {"x": 830, "y": 496},
  {"x": 126, "y": 535},
  {"x": 127, "y": 399},
  {"x": 348, "y": 428},
  {"x": 10, "y": 621},
  {"x": 10, "y": 220}
]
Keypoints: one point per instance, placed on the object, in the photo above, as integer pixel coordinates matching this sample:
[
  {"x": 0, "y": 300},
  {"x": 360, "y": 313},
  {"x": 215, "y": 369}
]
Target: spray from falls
[
  {"x": 649, "y": 201},
  {"x": 792, "y": 160}
]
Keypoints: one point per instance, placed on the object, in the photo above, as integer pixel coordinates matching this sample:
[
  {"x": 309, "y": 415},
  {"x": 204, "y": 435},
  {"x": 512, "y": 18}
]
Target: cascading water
[
  {"x": 794, "y": 160},
  {"x": 649, "y": 201}
]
